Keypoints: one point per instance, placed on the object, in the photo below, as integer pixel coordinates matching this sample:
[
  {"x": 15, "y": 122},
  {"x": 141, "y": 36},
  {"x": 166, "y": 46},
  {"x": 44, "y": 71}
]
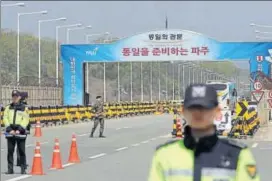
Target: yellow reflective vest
[
  {"x": 210, "y": 159},
  {"x": 16, "y": 115}
]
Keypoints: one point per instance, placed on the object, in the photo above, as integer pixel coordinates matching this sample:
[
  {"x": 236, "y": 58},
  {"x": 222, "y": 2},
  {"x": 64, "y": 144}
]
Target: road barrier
[
  {"x": 246, "y": 122},
  {"x": 57, "y": 115}
]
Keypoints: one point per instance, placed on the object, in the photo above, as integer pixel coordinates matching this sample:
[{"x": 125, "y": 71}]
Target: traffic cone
[
  {"x": 37, "y": 168},
  {"x": 73, "y": 157},
  {"x": 179, "y": 129},
  {"x": 56, "y": 159},
  {"x": 38, "y": 129},
  {"x": 37, "y": 148}
]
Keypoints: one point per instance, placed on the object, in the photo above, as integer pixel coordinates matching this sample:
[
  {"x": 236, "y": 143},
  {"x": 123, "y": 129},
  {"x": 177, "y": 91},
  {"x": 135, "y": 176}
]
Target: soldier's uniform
[{"x": 98, "y": 110}]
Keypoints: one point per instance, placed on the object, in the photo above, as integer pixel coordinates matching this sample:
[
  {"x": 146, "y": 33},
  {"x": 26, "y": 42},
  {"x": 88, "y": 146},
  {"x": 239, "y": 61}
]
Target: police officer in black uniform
[
  {"x": 23, "y": 100},
  {"x": 16, "y": 119},
  {"x": 202, "y": 155},
  {"x": 98, "y": 109}
]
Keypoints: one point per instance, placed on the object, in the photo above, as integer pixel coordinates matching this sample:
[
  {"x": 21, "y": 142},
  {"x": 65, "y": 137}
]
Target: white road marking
[
  {"x": 126, "y": 127},
  {"x": 137, "y": 144},
  {"x": 68, "y": 164},
  {"x": 165, "y": 136},
  {"x": 268, "y": 148},
  {"x": 19, "y": 178},
  {"x": 29, "y": 145},
  {"x": 153, "y": 139},
  {"x": 254, "y": 145},
  {"x": 82, "y": 134},
  {"x": 145, "y": 141},
  {"x": 118, "y": 128},
  {"x": 97, "y": 156},
  {"x": 123, "y": 148}
]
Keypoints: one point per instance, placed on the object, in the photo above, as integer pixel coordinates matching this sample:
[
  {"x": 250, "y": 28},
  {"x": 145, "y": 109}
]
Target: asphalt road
[{"x": 124, "y": 155}]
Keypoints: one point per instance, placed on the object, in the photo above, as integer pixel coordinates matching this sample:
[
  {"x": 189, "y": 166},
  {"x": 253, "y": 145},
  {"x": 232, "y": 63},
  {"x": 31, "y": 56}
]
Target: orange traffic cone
[
  {"x": 38, "y": 129},
  {"x": 73, "y": 157},
  {"x": 37, "y": 148},
  {"x": 179, "y": 129},
  {"x": 37, "y": 168},
  {"x": 56, "y": 160}
]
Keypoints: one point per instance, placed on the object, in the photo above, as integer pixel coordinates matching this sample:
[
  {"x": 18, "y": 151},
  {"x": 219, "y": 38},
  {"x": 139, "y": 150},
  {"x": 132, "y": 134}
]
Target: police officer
[
  {"x": 202, "y": 155},
  {"x": 16, "y": 120},
  {"x": 23, "y": 100},
  {"x": 98, "y": 109}
]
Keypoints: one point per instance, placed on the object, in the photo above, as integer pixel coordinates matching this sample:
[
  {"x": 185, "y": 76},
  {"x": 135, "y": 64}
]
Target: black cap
[
  {"x": 98, "y": 97},
  {"x": 15, "y": 93},
  {"x": 201, "y": 95}
]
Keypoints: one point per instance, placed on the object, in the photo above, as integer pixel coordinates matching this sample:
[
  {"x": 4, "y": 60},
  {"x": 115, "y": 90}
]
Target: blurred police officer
[
  {"x": 16, "y": 120},
  {"x": 98, "y": 109},
  {"x": 202, "y": 155},
  {"x": 23, "y": 100}
]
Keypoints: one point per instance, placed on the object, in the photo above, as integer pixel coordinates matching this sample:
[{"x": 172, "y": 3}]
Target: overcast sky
[{"x": 224, "y": 21}]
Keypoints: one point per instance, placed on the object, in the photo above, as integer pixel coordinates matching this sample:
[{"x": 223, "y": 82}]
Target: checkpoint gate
[{"x": 161, "y": 45}]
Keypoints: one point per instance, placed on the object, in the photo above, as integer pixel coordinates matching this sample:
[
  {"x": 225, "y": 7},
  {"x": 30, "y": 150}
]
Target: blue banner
[{"x": 165, "y": 45}]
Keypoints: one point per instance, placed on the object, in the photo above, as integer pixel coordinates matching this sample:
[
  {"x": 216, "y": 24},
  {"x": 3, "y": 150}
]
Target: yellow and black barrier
[
  {"x": 246, "y": 121},
  {"x": 65, "y": 114}
]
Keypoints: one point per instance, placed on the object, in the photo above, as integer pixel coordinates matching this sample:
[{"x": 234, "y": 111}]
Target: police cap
[
  {"x": 15, "y": 93},
  {"x": 200, "y": 95}
]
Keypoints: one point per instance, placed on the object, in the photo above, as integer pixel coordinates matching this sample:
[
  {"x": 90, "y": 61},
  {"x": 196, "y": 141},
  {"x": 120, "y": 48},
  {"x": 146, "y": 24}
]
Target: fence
[
  {"x": 38, "y": 96},
  {"x": 143, "y": 81}
]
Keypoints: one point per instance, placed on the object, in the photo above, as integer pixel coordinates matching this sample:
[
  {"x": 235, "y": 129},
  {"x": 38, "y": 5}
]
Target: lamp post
[
  {"x": 57, "y": 47},
  {"x": 4, "y": 6},
  {"x": 39, "y": 32},
  {"x": 18, "y": 39},
  {"x": 73, "y": 29},
  {"x": 87, "y": 65},
  {"x": 13, "y": 5},
  {"x": 87, "y": 37}
]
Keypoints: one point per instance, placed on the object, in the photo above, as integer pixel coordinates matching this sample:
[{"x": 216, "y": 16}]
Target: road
[{"x": 124, "y": 155}]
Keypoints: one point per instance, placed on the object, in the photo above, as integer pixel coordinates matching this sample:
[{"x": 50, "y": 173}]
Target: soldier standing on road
[
  {"x": 202, "y": 155},
  {"x": 98, "y": 109}
]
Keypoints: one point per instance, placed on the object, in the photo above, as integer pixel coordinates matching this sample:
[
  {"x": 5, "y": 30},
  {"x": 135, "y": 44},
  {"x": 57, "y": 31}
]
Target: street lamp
[
  {"x": 57, "y": 47},
  {"x": 13, "y": 5},
  {"x": 264, "y": 38},
  {"x": 87, "y": 65},
  {"x": 258, "y": 25},
  {"x": 72, "y": 29},
  {"x": 97, "y": 34},
  {"x": 18, "y": 39},
  {"x": 39, "y": 32}
]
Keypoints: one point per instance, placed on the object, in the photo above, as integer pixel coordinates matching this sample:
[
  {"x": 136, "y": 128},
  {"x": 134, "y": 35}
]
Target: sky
[{"x": 224, "y": 21}]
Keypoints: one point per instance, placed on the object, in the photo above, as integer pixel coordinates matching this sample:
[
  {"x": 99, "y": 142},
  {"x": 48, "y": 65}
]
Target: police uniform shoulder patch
[
  {"x": 251, "y": 170},
  {"x": 234, "y": 143},
  {"x": 166, "y": 144}
]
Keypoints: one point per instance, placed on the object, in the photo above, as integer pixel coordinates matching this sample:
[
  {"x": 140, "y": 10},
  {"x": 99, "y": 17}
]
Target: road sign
[
  {"x": 257, "y": 95},
  {"x": 259, "y": 58},
  {"x": 270, "y": 94},
  {"x": 241, "y": 108},
  {"x": 258, "y": 85},
  {"x": 269, "y": 102}
]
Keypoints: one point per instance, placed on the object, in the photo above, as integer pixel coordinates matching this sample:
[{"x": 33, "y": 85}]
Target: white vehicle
[{"x": 224, "y": 92}]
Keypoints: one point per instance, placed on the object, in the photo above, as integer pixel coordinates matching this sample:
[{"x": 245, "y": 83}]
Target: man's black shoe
[
  {"x": 23, "y": 170},
  {"x": 101, "y": 136},
  {"x": 91, "y": 136},
  {"x": 9, "y": 172}
]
